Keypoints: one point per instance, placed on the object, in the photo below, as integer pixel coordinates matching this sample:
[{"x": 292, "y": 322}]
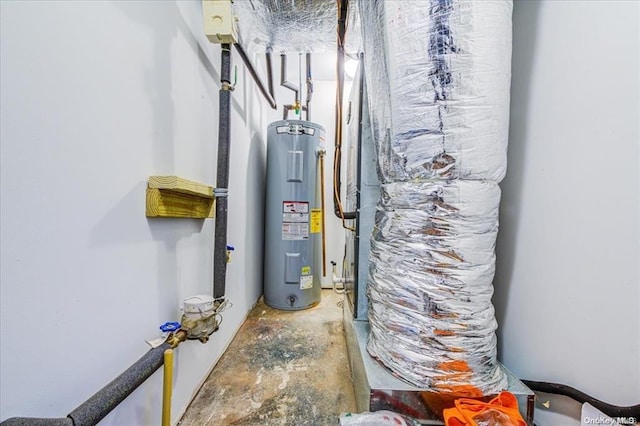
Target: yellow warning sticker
[
  {"x": 306, "y": 270},
  {"x": 316, "y": 221}
]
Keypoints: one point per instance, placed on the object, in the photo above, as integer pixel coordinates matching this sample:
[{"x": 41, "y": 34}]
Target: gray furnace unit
[{"x": 293, "y": 255}]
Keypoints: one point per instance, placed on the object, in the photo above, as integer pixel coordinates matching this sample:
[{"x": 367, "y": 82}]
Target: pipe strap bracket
[{"x": 220, "y": 192}]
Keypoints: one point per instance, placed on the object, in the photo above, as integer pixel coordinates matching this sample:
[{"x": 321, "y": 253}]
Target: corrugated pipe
[{"x": 96, "y": 408}]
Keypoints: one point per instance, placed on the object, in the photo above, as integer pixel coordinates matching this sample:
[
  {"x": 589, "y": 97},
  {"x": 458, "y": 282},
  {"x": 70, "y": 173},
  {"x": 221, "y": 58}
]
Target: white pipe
[{"x": 336, "y": 280}]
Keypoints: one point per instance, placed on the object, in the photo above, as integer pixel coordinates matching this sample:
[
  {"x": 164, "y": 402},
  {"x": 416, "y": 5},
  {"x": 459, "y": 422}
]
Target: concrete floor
[{"x": 282, "y": 368}]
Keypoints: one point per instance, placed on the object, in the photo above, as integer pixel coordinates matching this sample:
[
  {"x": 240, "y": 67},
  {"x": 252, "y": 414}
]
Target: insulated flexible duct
[{"x": 438, "y": 79}]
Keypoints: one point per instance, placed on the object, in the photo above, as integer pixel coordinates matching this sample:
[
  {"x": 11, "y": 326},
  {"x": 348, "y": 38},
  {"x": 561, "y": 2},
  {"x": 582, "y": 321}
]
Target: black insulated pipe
[
  {"x": 222, "y": 178},
  {"x": 106, "y": 399},
  {"x": 581, "y": 397},
  {"x": 309, "y": 86},
  {"x": 32, "y": 421},
  {"x": 247, "y": 62},
  {"x": 283, "y": 78}
]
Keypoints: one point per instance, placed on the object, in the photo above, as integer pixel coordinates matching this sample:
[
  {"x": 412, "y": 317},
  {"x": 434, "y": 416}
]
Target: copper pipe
[{"x": 324, "y": 239}]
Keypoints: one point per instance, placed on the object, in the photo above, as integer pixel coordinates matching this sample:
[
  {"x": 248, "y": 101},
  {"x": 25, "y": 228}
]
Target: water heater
[{"x": 293, "y": 256}]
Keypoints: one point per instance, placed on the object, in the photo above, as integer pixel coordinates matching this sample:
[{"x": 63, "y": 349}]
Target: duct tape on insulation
[{"x": 430, "y": 284}]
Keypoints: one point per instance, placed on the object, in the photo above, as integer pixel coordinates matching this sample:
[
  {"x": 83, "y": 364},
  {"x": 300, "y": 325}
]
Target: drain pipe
[
  {"x": 222, "y": 178},
  {"x": 96, "y": 408}
]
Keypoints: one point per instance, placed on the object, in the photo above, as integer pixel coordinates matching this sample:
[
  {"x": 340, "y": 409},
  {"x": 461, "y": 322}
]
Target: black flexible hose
[{"x": 573, "y": 393}]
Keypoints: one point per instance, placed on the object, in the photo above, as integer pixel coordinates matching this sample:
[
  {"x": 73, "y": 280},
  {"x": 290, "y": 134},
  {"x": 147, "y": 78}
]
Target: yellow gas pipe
[
  {"x": 174, "y": 340},
  {"x": 167, "y": 386}
]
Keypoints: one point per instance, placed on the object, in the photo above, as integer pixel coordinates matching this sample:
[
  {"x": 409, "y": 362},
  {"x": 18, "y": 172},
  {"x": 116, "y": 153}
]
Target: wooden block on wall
[{"x": 172, "y": 196}]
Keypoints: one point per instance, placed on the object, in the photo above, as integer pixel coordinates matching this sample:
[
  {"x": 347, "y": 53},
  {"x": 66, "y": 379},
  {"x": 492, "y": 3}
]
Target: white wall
[
  {"x": 568, "y": 280},
  {"x": 96, "y": 97}
]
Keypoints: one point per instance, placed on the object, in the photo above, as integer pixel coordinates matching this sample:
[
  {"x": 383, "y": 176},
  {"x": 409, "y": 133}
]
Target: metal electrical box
[{"x": 293, "y": 253}]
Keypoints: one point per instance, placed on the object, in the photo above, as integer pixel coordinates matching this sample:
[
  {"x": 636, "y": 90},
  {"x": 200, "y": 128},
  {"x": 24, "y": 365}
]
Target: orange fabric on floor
[{"x": 500, "y": 411}]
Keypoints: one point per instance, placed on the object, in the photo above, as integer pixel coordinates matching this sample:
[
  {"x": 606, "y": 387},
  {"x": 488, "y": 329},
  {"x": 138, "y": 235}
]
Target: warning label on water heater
[{"x": 295, "y": 220}]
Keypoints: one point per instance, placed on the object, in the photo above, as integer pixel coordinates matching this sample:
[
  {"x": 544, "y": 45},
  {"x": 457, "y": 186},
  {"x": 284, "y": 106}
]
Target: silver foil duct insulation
[
  {"x": 293, "y": 25},
  {"x": 432, "y": 264},
  {"x": 438, "y": 74}
]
